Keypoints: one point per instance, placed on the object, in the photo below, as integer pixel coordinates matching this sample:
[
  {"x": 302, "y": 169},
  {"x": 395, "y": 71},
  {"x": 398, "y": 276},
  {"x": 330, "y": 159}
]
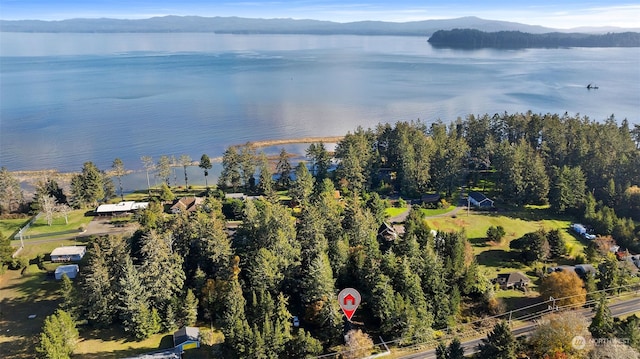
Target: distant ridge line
[{"x": 238, "y": 25}]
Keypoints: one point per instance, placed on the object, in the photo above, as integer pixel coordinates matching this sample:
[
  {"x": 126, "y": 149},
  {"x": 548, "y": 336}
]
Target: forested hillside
[{"x": 474, "y": 39}]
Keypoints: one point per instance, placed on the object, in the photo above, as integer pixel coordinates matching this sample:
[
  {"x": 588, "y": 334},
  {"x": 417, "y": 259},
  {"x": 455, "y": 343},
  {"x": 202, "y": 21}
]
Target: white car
[{"x": 296, "y": 321}]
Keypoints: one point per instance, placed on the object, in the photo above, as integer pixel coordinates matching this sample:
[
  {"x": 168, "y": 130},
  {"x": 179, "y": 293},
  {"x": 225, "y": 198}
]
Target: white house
[
  {"x": 120, "y": 208},
  {"x": 71, "y": 270},
  {"x": 68, "y": 254}
]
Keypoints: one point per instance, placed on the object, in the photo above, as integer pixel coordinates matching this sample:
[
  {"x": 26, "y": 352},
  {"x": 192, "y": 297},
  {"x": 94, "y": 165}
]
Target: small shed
[
  {"x": 71, "y": 270},
  {"x": 186, "y": 338},
  {"x": 68, "y": 254},
  {"x": 480, "y": 200}
]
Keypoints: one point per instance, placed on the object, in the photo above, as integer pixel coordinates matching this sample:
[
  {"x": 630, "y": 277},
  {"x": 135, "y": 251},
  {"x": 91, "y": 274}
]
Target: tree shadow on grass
[
  {"x": 499, "y": 258},
  {"x": 479, "y": 242}
]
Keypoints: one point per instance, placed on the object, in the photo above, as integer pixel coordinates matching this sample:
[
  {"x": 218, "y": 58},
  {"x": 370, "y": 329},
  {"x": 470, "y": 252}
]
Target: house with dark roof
[
  {"x": 186, "y": 338},
  {"x": 479, "y": 200},
  {"x": 515, "y": 280},
  {"x": 187, "y": 205}
]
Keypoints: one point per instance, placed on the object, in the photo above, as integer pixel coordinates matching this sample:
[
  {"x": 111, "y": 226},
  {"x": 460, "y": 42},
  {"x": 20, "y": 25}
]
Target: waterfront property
[
  {"x": 120, "y": 208},
  {"x": 187, "y": 205}
]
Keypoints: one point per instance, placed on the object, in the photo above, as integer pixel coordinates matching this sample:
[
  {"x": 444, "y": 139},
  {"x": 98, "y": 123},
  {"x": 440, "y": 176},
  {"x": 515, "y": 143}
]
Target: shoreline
[{"x": 29, "y": 178}]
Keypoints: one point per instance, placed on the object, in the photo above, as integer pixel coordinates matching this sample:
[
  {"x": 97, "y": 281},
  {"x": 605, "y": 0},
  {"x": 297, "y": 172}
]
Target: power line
[{"x": 616, "y": 291}]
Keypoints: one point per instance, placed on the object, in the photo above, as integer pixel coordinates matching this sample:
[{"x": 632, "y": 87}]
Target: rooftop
[
  {"x": 125, "y": 206},
  {"x": 69, "y": 251}
]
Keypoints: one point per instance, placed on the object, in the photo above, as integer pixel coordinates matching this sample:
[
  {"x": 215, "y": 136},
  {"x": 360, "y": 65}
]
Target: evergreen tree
[
  {"x": 162, "y": 276},
  {"x": 188, "y": 313},
  {"x": 630, "y": 329},
  {"x": 205, "y": 164},
  {"x": 6, "y": 250},
  {"x": 320, "y": 161},
  {"x": 568, "y": 192},
  {"x": 283, "y": 170},
  {"x": 165, "y": 193},
  {"x": 88, "y": 187},
  {"x": 68, "y": 294},
  {"x": 248, "y": 162},
  {"x": 441, "y": 351},
  {"x": 496, "y": 233},
  {"x": 608, "y": 272},
  {"x": 350, "y": 173},
  {"x": 133, "y": 308},
  {"x": 303, "y": 345},
  {"x": 302, "y": 187},
  {"x": 59, "y": 336},
  {"x": 602, "y": 323},
  {"x": 557, "y": 245},
  {"x": 98, "y": 292},
  {"x": 266, "y": 186},
  {"x": 230, "y": 175},
  {"x": 500, "y": 343},
  {"x": 448, "y": 161},
  {"x": 455, "y": 350}
]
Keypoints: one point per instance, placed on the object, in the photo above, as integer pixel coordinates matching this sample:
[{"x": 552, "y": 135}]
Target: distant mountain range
[{"x": 237, "y": 25}]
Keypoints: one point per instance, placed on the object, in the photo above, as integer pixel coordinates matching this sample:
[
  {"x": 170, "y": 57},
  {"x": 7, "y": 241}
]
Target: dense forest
[
  {"x": 474, "y": 39},
  {"x": 290, "y": 258}
]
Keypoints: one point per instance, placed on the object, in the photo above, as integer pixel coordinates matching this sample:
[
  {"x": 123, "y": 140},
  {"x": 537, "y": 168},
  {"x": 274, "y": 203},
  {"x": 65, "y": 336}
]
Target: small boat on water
[{"x": 592, "y": 87}]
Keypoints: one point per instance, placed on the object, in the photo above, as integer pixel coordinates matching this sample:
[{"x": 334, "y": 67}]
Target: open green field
[
  {"x": 495, "y": 258},
  {"x": 10, "y": 226},
  {"x": 394, "y": 211},
  {"x": 437, "y": 211},
  {"x": 76, "y": 219}
]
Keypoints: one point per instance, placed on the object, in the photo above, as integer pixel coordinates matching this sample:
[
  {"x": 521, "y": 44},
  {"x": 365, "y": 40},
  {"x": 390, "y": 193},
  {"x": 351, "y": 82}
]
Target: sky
[{"x": 561, "y": 14}]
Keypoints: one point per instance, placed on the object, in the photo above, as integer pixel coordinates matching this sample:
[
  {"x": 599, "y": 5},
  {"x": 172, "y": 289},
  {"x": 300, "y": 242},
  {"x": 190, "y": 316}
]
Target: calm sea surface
[{"x": 70, "y": 98}]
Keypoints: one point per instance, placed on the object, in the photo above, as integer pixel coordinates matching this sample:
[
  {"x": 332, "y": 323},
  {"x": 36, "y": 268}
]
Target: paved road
[{"x": 471, "y": 346}]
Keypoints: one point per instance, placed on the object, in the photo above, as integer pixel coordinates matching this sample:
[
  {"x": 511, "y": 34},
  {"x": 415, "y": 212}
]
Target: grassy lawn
[
  {"x": 394, "y": 211},
  {"x": 10, "y": 226},
  {"x": 495, "y": 258},
  {"x": 76, "y": 218},
  {"x": 437, "y": 211}
]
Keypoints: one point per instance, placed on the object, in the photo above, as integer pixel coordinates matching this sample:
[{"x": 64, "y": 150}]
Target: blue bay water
[{"x": 70, "y": 98}]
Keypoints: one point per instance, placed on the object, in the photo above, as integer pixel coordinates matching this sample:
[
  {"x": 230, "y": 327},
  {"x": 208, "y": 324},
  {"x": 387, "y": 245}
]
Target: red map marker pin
[{"x": 349, "y": 300}]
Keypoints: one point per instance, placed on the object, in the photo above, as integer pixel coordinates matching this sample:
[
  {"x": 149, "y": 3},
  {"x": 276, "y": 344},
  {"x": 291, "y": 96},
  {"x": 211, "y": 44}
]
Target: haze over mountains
[{"x": 238, "y": 25}]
